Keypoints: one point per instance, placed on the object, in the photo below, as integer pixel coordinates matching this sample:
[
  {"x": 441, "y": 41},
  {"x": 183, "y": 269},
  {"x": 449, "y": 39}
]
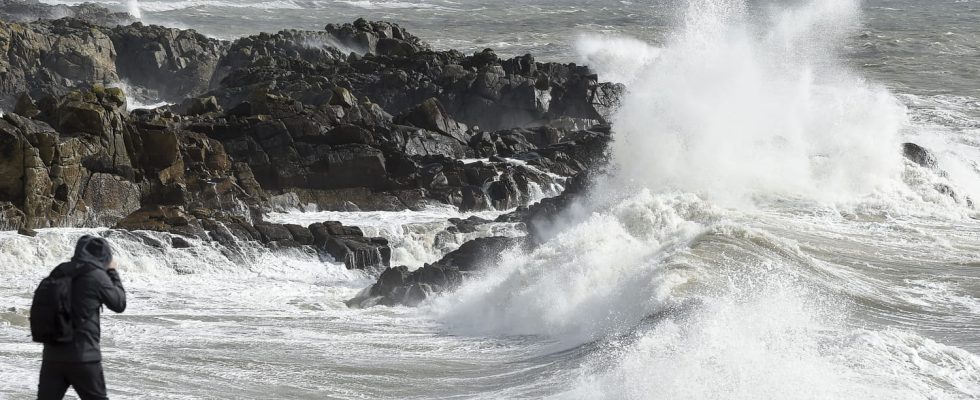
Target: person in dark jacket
[{"x": 79, "y": 363}]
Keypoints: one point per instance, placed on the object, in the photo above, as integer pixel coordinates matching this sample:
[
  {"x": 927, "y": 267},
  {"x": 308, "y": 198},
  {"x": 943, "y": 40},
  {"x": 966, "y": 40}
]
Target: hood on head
[{"x": 93, "y": 250}]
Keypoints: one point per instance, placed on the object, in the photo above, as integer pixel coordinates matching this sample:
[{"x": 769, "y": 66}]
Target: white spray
[
  {"x": 733, "y": 112},
  {"x": 133, "y": 7},
  {"x": 730, "y": 110}
]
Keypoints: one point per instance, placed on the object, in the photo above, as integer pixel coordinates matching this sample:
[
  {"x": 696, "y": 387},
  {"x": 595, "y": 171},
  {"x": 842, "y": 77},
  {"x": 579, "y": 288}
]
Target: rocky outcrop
[
  {"x": 331, "y": 240},
  {"x": 919, "y": 155},
  {"x": 56, "y": 57},
  {"x": 926, "y": 159},
  {"x": 52, "y": 58},
  {"x": 356, "y": 117},
  {"x": 33, "y": 10},
  {"x": 350, "y": 246},
  {"x": 375, "y": 37},
  {"x": 171, "y": 64},
  {"x": 400, "y": 286},
  {"x": 85, "y": 160}
]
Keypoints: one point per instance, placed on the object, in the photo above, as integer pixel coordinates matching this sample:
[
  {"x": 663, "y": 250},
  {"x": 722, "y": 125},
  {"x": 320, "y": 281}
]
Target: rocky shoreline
[{"x": 362, "y": 116}]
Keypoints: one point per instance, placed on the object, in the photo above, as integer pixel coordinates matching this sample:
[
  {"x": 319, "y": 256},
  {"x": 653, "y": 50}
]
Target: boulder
[
  {"x": 111, "y": 198},
  {"x": 432, "y": 115},
  {"x": 173, "y": 63},
  {"x": 163, "y": 219},
  {"x": 349, "y": 245},
  {"x": 200, "y": 105},
  {"x": 273, "y": 232},
  {"x": 398, "y": 286},
  {"x": 301, "y": 234},
  {"x": 919, "y": 155}
]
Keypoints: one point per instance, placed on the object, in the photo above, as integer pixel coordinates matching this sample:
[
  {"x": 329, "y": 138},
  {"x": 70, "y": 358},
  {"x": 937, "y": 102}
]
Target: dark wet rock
[
  {"x": 200, "y": 105},
  {"x": 301, "y": 234},
  {"x": 26, "y": 107},
  {"x": 349, "y": 245},
  {"x": 33, "y": 10},
  {"x": 919, "y": 155},
  {"x": 173, "y": 63},
  {"x": 86, "y": 160},
  {"x": 273, "y": 232},
  {"x": 399, "y": 286},
  {"x": 468, "y": 225},
  {"x": 540, "y": 219},
  {"x": 284, "y": 120},
  {"x": 377, "y": 37},
  {"x": 925, "y": 158},
  {"x": 53, "y": 57},
  {"x": 431, "y": 115},
  {"x": 11, "y": 217},
  {"x": 27, "y": 232},
  {"x": 40, "y": 174},
  {"x": 479, "y": 253},
  {"x": 178, "y": 242},
  {"x": 163, "y": 219}
]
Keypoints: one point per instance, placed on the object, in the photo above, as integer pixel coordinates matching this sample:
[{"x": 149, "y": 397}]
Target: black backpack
[{"x": 51, "y": 316}]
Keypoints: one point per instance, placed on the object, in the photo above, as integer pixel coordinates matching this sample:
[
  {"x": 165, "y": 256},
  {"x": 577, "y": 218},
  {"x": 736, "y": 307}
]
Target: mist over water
[
  {"x": 758, "y": 236},
  {"x": 733, "y": 109}
]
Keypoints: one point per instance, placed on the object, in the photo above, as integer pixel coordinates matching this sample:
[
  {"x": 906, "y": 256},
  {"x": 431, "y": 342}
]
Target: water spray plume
[
  {"x": 733, "y": 110},
  {"x": 133, "y": 7}
]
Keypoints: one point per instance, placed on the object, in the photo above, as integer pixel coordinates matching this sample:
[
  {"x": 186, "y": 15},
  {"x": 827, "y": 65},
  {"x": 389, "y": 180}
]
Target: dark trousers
[{"x": 86, "y": 378}]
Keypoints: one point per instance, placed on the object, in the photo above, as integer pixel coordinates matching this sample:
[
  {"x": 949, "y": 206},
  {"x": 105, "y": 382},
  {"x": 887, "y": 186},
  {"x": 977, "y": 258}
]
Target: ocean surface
[{"x": 760, "y": 235}]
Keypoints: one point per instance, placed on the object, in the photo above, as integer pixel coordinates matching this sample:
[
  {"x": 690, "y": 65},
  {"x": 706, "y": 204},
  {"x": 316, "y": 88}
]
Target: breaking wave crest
[{"x": 714, "y": 261}]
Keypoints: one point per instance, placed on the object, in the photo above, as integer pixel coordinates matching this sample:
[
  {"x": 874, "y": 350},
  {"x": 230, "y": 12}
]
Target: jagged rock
[
  {"x": 432, "y": 115},
  {"x": 390, "y": 280},
  {"x": 342, "y": 97},
  {"x": 306, "y": 120},
  {"x": 110, "y": 197},
  {"x": 33, "y": 10},
  {"x": 172, "y": 62},
  {"x": 398, "y": 286},
  {"x": 25, "y": 106},
  {"x": 468, "y": 225},
  {"x": 383, "y": 38},
  {"x": 39, "y": 174},
  {"x": 422, "y": 142},
  {"x": 11, "y": 217},
  {"x": 52, "y": 57},
  {"x": 163, "y": 219},
  {"x": 301, "y": 235},
  {"x": 350, "y": 246},
  {"x": 27, "y": 232},
  {"x": 200, "y": 105},
  {"x": 349, "y": 134},
  {"x": 541, "y": 218},
  {"x": 273, "y": 232},
  {"x": 919, "y": 155},
  {"x": 178, "y": 242},
  {"x": 350, "y": 166}
]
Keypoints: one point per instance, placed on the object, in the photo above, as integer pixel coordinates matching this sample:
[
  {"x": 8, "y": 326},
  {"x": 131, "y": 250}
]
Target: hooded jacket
[{"x": 94, "y": 286}]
